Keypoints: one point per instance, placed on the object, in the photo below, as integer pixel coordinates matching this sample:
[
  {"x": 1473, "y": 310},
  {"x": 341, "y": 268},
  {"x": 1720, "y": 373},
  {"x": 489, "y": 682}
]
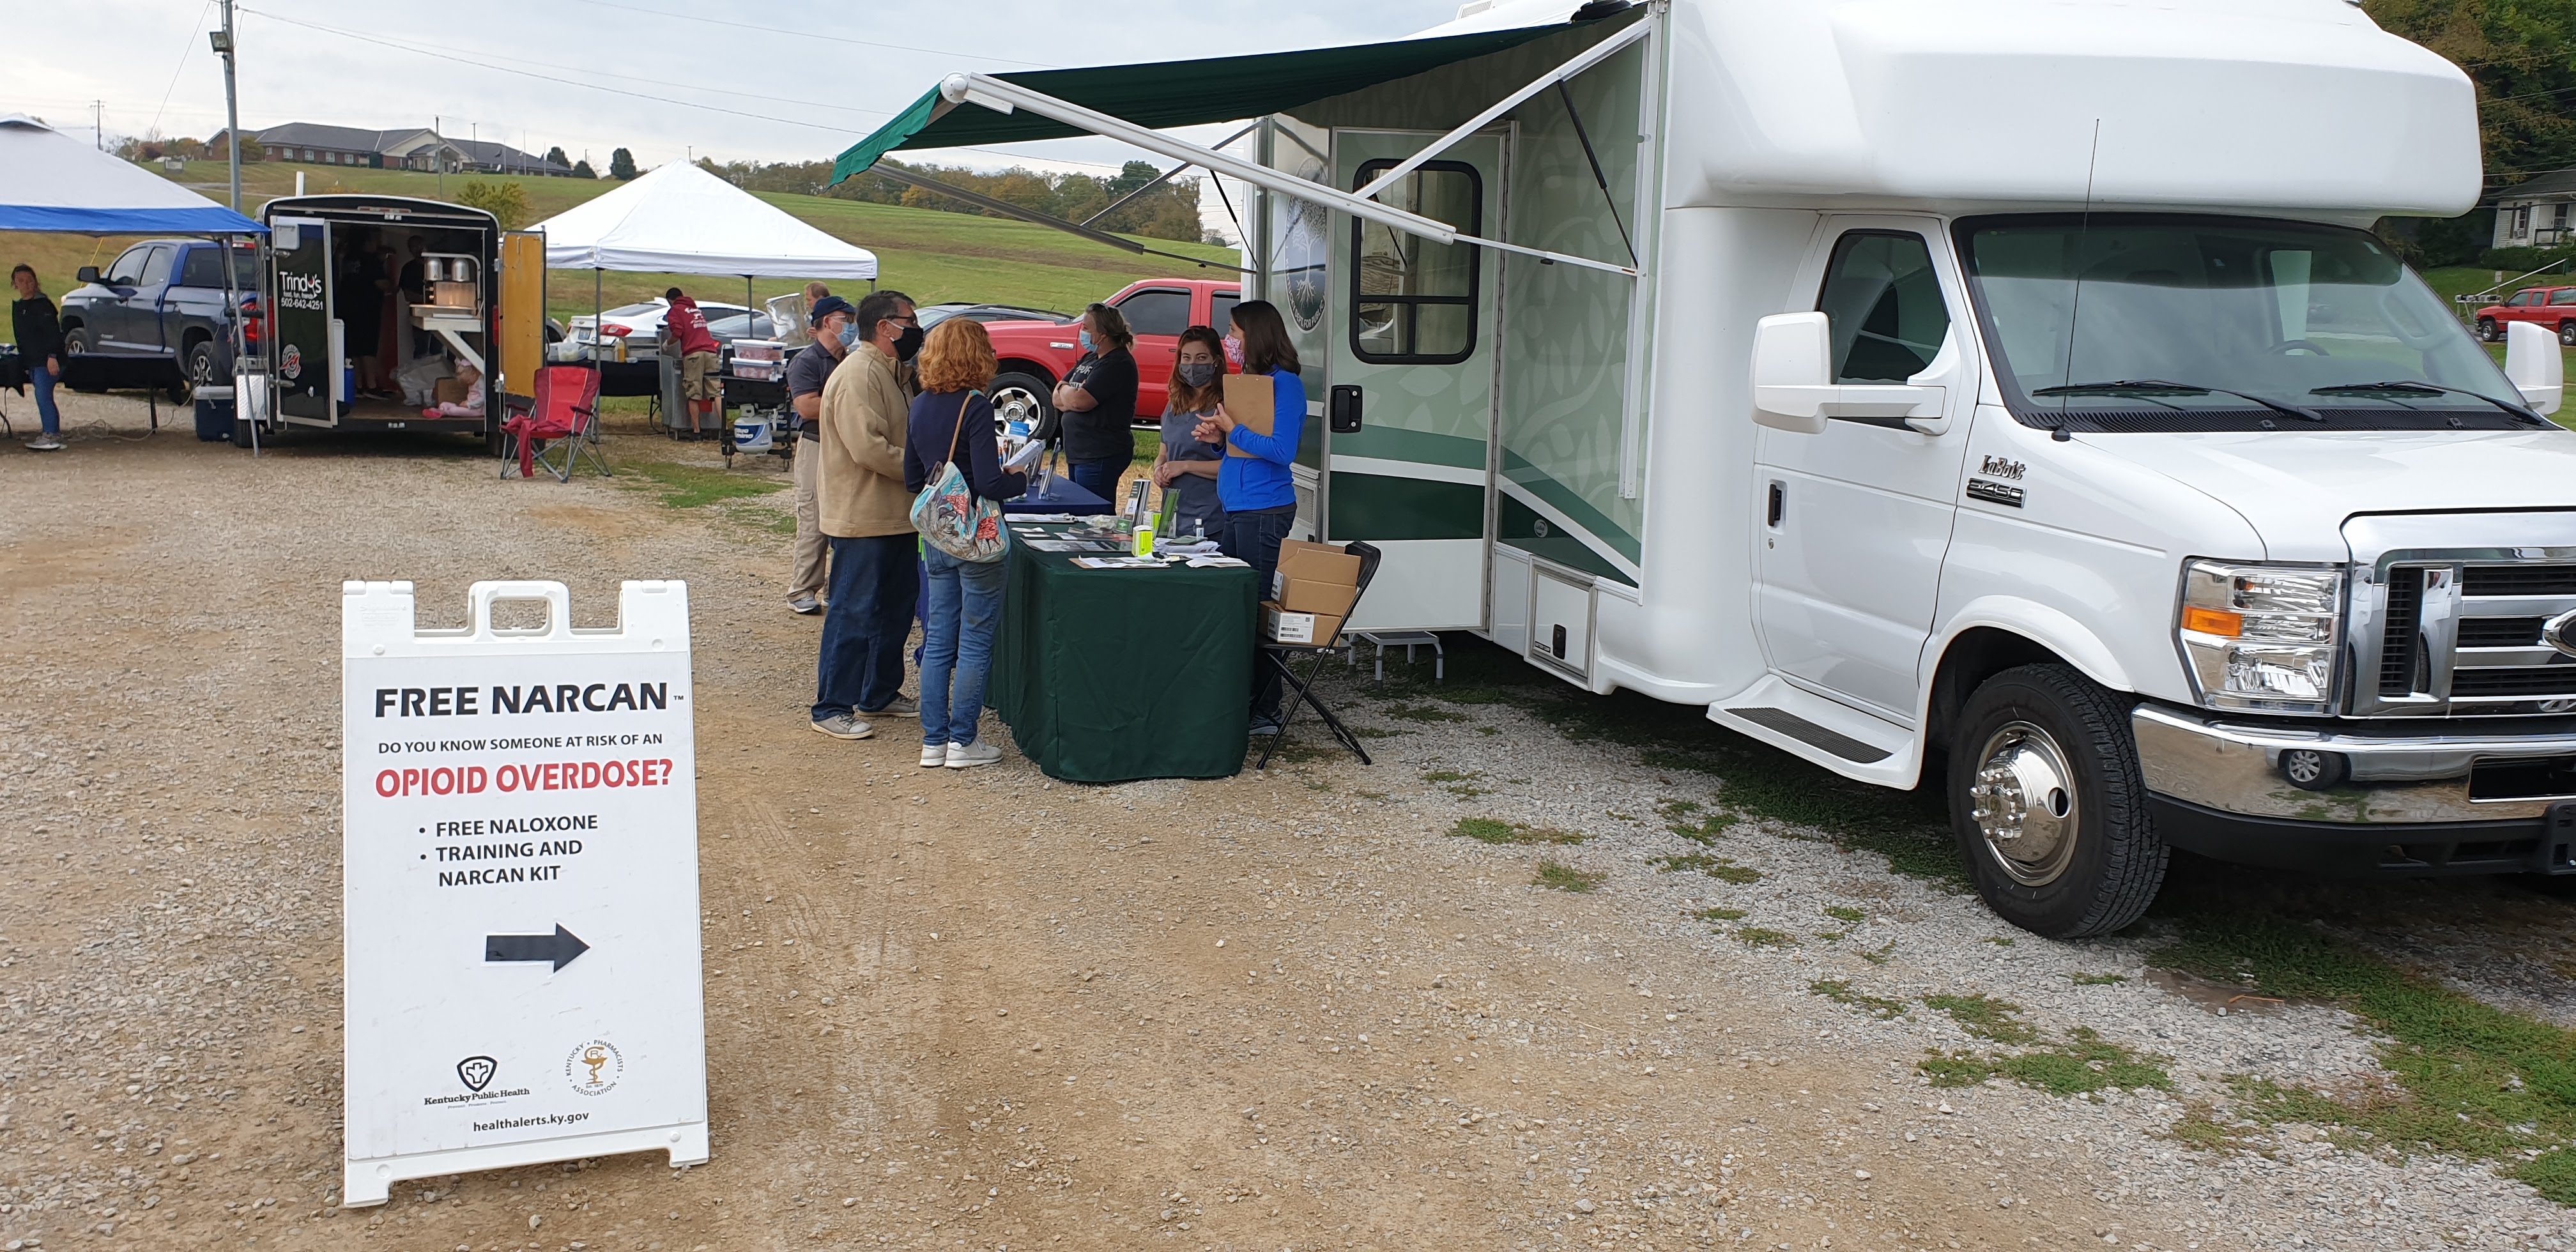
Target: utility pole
[
  {"x": 438, "y": 152},
  {"x": 223, "y": 41},
  {"x": 98, "y": 124}
]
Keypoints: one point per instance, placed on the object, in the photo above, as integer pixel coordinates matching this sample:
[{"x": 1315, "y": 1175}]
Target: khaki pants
[{"x": 807, "y": 578}]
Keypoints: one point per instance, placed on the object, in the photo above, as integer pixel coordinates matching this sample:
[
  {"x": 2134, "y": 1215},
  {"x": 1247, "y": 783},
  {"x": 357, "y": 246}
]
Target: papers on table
[
  {"x": 1218, "y": 562},
  {"x": 1075, "y": 545},
  {"x": 1026, "y": 456},
  {"x": 1118, "y": 562},
  {"x": 1017, "y": 518}
]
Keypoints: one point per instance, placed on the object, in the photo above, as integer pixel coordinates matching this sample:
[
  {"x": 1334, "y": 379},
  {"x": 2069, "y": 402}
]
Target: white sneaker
[
  {"x": 970, "y": 755},
  {"x": 843, "y": 726},
  {"x": 934, "y": 755},
  {"x": 44, "y": 443}
]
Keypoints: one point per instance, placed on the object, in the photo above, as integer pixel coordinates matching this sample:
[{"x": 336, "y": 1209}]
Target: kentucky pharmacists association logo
[{"x": 594, "y": 1067}]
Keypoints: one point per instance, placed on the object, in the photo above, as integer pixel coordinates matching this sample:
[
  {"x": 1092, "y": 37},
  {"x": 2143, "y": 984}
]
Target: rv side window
[
  {"x": 1414, "y": 301},
  {"x": 1884, "y": 301}
]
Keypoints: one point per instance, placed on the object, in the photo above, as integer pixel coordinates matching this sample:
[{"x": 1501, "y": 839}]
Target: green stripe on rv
[
  {"x": 1389, "y": 443},
  {"x": 1535, "y": 481},
  {"x": 1521, "y": 527},
  {"x": 1379, "y": 507}
]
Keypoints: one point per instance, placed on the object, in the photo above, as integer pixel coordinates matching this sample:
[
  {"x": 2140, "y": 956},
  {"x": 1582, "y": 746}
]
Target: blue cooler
[{"x": 214, "y": 414}]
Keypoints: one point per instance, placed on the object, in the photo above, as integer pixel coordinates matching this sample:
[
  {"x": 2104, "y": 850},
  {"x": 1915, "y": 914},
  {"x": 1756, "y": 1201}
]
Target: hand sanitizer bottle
[{"x": 1144, "y": 539}]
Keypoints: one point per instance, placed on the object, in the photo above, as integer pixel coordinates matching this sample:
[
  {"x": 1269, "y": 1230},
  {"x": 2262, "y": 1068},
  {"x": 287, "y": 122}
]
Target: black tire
[
  {"x": 1021, "y": 395},
  {"x": 2567, "y": 332},
  {"x": 201, "y": 365},
  {"x": 2094, "y": 862},
  {"x": 77, "y": 341},
  {"x": 241, "y": 432},
  {"x": 2488, "y": 331}
]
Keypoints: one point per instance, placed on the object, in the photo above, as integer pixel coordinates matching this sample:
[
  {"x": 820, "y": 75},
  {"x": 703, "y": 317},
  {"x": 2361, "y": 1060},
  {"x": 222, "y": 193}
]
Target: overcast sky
[{"x": 508, "y": 69}]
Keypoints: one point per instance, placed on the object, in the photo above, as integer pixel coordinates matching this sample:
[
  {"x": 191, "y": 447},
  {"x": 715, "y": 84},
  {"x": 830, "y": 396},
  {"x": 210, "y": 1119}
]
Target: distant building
[
  {"x": 2538, "y": 212},
  {"x": 418, "y": 148}
]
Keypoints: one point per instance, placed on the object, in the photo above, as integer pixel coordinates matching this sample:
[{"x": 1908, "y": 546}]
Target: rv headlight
[{"x": 2261, "y": 637}]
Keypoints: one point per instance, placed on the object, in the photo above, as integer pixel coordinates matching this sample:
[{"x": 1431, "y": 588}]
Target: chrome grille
[{"x": 2448, "y": 614}]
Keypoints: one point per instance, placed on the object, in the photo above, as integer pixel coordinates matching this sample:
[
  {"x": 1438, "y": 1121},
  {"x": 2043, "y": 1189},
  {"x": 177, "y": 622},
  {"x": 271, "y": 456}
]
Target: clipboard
[{"x": 1251, "y": 402}]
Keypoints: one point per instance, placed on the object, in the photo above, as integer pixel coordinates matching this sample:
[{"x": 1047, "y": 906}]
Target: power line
[
  {"x": 807, "y": 34},
  {"x": 185, "y": 48}
]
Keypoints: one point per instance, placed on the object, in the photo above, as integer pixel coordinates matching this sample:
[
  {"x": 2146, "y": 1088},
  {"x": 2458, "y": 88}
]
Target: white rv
[{"x": 2003, "y": 387}]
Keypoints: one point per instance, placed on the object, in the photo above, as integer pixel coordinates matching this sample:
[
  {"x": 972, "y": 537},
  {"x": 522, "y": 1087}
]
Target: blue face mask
[
  {"x": 849, "y": 336},
  {"x": 1085, "y": 337}
]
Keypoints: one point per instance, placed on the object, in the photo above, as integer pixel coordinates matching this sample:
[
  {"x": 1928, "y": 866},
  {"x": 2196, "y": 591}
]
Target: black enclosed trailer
[{"x": 333, "y": 298}]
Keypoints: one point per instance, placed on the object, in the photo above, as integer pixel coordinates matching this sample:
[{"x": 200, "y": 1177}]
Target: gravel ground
[{"x": 1282, "y": 1011}]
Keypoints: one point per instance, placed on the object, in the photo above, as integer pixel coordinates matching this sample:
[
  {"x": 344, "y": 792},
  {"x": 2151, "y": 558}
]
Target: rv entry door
[
  {"x": 1409, "y": 401},
  {"x": 306, "y": 358}
]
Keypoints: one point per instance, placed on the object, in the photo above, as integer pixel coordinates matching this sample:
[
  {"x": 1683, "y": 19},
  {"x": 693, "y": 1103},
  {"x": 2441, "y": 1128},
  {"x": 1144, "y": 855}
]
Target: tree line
[{"x": 2522, "y": 56}]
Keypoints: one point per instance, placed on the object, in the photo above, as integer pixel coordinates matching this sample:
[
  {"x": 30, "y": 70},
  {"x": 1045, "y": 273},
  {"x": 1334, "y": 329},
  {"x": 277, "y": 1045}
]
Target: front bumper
[{"x": 2378, "y": 798}]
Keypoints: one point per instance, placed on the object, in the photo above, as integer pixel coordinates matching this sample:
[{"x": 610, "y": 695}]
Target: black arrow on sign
[{"x": 560, "y": 947}]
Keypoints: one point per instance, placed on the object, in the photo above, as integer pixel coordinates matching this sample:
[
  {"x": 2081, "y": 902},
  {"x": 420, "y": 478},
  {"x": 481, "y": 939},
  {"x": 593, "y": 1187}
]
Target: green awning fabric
[{"x": 1179, "y": 93}]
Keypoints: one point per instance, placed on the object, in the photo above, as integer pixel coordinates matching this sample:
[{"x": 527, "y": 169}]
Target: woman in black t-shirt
[{"x": 1098, "y": 401}]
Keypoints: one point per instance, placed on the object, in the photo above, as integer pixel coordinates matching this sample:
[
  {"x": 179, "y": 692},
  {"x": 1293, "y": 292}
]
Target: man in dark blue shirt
[{"x": 807, "y": 371}]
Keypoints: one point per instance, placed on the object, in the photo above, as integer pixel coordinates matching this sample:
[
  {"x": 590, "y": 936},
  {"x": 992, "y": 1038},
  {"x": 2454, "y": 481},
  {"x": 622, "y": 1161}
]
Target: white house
[{"x": 2538, "y": 212}]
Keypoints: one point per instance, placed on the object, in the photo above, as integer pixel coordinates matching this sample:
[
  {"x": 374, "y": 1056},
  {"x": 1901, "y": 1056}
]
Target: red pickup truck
[
  {"x": 2552, "y": 307},
  {"x": 1036, "y": 355}
]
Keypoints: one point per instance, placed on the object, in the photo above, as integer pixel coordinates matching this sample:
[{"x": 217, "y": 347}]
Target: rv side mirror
[
  {"x": 1792, "y": 371},
  {"x": 2533, "y": 365},
  {"x": 87, "y": 274}
]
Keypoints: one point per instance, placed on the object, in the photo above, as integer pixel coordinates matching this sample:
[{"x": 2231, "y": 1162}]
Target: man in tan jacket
[{"x": 866, "y": 516}]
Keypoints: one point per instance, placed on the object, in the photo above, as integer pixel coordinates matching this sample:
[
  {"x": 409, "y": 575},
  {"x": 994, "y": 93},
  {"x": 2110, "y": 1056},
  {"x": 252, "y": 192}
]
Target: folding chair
[
  {"x": 564, "y": 424},
  {"x": 1301, "y": 691}
]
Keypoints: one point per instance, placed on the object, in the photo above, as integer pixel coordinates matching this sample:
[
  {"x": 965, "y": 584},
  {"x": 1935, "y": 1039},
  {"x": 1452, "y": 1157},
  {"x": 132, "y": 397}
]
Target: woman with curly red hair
[{"x": 952, "y": 420}]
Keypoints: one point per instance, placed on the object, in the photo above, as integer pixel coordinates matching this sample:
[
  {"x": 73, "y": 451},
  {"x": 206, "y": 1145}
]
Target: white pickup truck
[{"x": 2011, "y": 388}]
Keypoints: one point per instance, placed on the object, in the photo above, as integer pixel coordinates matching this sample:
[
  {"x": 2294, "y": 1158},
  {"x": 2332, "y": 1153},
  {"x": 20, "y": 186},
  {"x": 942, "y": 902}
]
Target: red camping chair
[{"x": 566, "y": 417}]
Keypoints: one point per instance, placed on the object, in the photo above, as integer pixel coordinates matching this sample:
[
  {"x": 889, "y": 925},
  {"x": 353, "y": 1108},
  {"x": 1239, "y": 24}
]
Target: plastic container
[
  {"x": 214, "y": 414},
  {"x": 1143, "y": 540},
  {"x": 752, "y": 432}
]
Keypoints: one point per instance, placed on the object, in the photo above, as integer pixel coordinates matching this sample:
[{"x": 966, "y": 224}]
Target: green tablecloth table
[{"x": 1111, "y": 675}]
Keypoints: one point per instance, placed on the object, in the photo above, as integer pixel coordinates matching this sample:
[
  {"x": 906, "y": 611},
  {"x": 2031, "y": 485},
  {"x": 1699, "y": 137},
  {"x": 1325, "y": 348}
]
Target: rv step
[{"x": 1835, "y": 735}]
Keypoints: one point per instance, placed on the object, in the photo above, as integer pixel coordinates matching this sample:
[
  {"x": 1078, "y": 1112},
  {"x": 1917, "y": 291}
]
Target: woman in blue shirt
[{"x": 1260, "y": 498}]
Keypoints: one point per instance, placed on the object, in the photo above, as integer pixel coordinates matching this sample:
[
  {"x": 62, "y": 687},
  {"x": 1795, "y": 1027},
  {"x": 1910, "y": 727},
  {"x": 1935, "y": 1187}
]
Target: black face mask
[
  {"x": 907, "y": 344},
  {"x": 1198, "y": 374}
]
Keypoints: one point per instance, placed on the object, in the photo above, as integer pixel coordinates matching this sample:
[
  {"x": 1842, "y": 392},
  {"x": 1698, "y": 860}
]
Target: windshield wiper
[
  {"x": 2150, "y": 386},
  {"x": 2410, "y": 386}
]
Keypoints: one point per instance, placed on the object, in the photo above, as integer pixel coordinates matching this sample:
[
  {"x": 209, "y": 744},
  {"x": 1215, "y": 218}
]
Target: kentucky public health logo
[
  {"x": 594, "y": 1067},
  {"x": 476, "y": 1072}
]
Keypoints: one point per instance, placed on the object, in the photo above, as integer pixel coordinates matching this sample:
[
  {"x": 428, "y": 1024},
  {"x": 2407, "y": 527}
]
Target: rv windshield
[{"x": 2131, "y": 322}]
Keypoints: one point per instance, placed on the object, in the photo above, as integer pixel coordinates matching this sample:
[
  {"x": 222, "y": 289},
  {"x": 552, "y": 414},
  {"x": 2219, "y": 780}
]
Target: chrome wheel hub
[
  {"x": 2023, "y": 801},
  {"x": 1015, "y": 404}
]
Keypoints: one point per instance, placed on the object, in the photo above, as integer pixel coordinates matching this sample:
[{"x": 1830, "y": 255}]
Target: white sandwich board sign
[{"x": 520, "y": 898}]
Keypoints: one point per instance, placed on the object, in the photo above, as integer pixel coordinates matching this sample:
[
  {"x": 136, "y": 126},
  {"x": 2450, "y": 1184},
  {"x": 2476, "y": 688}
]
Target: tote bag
[{"x": 951, "y": 518}]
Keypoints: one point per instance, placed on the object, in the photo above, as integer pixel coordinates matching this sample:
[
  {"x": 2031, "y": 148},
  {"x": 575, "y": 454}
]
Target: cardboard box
[
  {"x": 1250, "y": 402},
  {"x": 447, "y": 391},
  {"x": 1283, "y": 626},
  {"x": 1318, "y": 562},
  {"x": 1298, "y": 595}
]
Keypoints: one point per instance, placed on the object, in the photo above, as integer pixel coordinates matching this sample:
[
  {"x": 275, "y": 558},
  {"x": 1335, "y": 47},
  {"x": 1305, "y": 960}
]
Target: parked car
[
  {"x": 933, "y": 314},
  {"x": 160, "y": 303},
  {"x": 1035, "y": 354},
  {"x": 2551, "y": 307},
  {"x": 640, "y": 325}
]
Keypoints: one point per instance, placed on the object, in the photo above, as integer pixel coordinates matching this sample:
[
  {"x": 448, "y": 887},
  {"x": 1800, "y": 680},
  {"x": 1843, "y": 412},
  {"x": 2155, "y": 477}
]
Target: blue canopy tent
[{"x": 58, "y": 185}]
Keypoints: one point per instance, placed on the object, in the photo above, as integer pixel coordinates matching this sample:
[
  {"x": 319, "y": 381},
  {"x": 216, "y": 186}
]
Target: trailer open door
[
  {"x": 306, "y": 358},
  {"x": 521, "y": 319},
  {"x": 1410, "y": 385}
]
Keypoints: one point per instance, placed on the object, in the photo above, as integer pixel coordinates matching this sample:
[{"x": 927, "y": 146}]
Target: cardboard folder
[{"x": 1249, "y": 402}]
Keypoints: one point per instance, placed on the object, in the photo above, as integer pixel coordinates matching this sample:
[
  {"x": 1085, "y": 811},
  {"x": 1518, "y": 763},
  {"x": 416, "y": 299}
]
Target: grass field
[{"x": 933, "y": 256}]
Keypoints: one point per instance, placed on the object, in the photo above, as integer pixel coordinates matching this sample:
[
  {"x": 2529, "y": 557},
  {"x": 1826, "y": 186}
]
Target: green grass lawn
[{"x": 931, "y": 255}]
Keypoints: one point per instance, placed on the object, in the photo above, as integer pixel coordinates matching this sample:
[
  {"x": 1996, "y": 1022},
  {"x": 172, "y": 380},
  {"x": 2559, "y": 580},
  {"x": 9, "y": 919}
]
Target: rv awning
[{"x": 1186, "y": 93}]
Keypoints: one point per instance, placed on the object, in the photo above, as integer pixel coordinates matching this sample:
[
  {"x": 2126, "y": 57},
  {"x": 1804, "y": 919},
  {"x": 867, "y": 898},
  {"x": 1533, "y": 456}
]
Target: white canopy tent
[{"x": 680, "y": 219}]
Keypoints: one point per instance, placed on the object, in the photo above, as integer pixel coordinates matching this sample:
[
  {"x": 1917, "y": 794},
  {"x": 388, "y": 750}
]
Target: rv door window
[
  {"x": 1414, "y": 301},
  {"x": 1884, "y": 302}
]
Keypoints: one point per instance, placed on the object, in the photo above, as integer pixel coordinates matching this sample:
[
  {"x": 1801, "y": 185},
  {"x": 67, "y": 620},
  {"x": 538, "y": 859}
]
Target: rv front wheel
[{"x": 2049, "y": 806}]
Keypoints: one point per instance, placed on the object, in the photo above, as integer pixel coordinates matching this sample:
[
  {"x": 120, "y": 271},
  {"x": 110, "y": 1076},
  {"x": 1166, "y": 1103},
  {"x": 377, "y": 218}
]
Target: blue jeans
[
  {"x": 965, "y": 610},
  {"x": 873, "y": 588},
  {"x": 1254, "y": 538},
  {"x": 1100, "y": 478},
  {"x": 46, "y": 414}
]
